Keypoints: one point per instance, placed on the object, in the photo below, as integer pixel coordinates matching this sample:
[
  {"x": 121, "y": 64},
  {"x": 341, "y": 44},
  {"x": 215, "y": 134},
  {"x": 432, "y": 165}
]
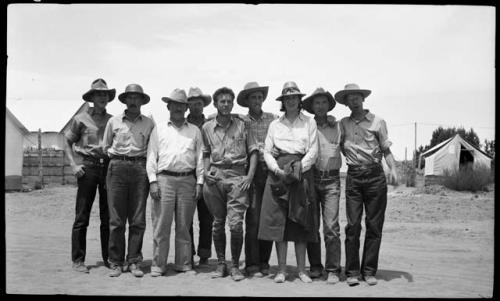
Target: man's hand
[
  {"x": 154, "y": 191},
  {"x": 78, "y": 171},
  {"x": 245, "y": 183},
  {"x": 210, "y": 178},
  {"x": 199, "y": 192},
  {"x": 280, "y": 173},
  {"x": 275, "y": 152},
  {"x": 393, "y": 177}
]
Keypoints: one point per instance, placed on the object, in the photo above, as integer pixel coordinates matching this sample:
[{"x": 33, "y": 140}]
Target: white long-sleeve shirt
[
  {"x": 175, "y": 149},
  {"x": 299, "y": 137}
]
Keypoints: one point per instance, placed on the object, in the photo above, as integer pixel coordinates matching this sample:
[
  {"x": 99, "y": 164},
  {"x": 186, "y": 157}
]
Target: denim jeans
[
  {"x": 205, "y": 220},
  {"x": 128, "y": 187},
  {"x": 94, "y": 178},
  {"x": 368, "y": 188},
  {"x": 257, "y": 252},
  {"x": 328, "y": 193},
  {"x": 176, "y": 202},
  {"x": 225, "y": 199}
]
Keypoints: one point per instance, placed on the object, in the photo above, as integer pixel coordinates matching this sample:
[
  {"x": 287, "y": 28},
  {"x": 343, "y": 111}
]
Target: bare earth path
[{"x": 436, "y": 243}]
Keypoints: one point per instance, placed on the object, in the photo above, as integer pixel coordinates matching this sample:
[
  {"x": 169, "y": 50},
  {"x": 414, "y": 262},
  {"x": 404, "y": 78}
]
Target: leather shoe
[
  {"x": 280, "y": 277},
  {"x": 80, "y": 267},
  {"x": 264, "y": 271},
  {"x": 221, "y": 271},
  {"x": 203, "y": 262},
  {"x": 134, "y": 269},
  {"x": 371, "y": 280},
  {"x": 332, "y": 278},
  {"x": 303, "y": 276},
  {"x": 352, "y": 280},
  {"x": 236, "y": 274},
  {"x": 115, "y": 271},
  {"x": 315, "y": 273}
]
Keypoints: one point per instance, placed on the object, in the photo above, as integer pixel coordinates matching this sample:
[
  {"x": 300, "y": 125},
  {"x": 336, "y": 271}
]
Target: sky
[{"x": 427, "y": 65}]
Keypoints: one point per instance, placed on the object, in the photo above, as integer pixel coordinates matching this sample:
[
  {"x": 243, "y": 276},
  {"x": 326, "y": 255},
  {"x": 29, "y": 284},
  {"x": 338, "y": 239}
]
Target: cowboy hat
[
  {"x": 249, "y": 88},
  {"x": 196, "y": 93},
  {"x": 99, "y": 85},
  {"x": 290, "y": 88},
  {"x": 349, "y": 89},
  {"x": 307, "y": 102},
  {"x": 131, "y": 89},
  {"x": 178, "y": 95}
]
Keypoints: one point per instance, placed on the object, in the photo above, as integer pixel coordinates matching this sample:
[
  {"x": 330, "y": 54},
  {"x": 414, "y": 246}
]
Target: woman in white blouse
[{"x": 289, "y": 202}]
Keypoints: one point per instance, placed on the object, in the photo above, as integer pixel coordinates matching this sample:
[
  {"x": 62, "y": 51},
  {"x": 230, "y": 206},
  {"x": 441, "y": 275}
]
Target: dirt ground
[{"x": 436, "y": 243}]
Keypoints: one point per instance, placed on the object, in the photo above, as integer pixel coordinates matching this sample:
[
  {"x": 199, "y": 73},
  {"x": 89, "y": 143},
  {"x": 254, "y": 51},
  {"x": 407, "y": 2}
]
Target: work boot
[
  {"x": 134, "y": 269},
  {"x": 203, "y": 262},
  {"x": 221, "y": 271},
  {"x": 352, "y": 280},
  {"x": 116, "y": 271},
  {"x": 236, "y": 274},
  {"x": 371, "y": 280},
  {"x": 332, "y": 278},
  {"x": 80, "y": 267}
]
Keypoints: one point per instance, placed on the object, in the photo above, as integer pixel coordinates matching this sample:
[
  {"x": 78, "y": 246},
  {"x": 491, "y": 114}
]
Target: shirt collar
[
  {"x": 301, "y": 117},
  {"x": 92, "y": 111},
  {"x": 124, "y": 116},
  {"x": 185, "y": 123},
  {"x": 256, "y": 119},
  {"x": 368, "y": 116},
  {"x": 217, "y": 124},
  {"x": 196, "y": 119},
  {"x": 324, "y": 125}
]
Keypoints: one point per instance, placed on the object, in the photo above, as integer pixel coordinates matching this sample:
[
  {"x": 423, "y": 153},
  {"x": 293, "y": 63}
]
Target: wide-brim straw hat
[
  {"x": 349, "y": 89},
  {"x": 307, "y": 102},
  {"x": 249, "y": 88},
  {"x": 131, "y": 89},
  {"x": 99, "y": 85},
  {"x": 196, "y": 93},
  {"x": 178, "y": 95},
  {"x": 290, "y": 88}
]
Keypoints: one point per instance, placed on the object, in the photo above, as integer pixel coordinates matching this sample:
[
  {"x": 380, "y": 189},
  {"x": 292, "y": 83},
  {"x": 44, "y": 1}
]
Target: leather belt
[
  {"x": 364, "y": 167},
  {"x": 230, "y": 166},
  {"x": 178, "y": 174},
  {"x": 127, "y": 158},
  {"x": 326, "y": 173},
  {"x": 96, "y": 161}
]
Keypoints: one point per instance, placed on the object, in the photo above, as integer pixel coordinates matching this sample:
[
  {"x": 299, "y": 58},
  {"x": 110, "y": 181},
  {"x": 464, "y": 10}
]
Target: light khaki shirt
[
  {"x": 329, "y": 147},
  {"x": 125, "y": 137},
  {"x": 228, "y": 145},
  {"x": 364, "y": 141},
  {"x": 175, "y": 149}
]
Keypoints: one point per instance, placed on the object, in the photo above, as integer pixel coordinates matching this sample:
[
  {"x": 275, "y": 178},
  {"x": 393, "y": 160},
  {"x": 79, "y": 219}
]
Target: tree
[{"x": 489, "y": 147}]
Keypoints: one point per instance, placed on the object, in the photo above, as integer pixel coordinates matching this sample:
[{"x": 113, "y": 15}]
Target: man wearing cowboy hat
[
  {"x": 175, "y": 172},
  {"x": 126, "y": 139},
  {"x": 327, "y": 185},
  {"x": 196, "y": 102},
  {"x": 257, "y": 252},
  {"x": 226, "y": 149},
  {"x": 86, "y": 133},
  {"x": 364, "y": 142}
]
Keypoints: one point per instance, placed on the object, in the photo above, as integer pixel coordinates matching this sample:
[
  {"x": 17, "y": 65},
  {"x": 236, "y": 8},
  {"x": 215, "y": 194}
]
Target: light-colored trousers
[{"x": 177, "y": 200}]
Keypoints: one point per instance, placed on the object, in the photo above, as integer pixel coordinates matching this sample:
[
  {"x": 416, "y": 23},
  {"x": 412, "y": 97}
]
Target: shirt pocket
[
  {"x": 239, "y": 145},
  {"x": 90, "y": 136},
  {"x": 123, "y": 138},
  {"x": 370, "y": 138}
]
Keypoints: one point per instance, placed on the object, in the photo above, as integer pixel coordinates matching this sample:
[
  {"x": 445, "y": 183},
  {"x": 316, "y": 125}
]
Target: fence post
[{"x": 40, "y": 163}]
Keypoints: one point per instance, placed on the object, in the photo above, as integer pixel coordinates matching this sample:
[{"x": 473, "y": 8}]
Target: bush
[{"x": 470, "y": 179}]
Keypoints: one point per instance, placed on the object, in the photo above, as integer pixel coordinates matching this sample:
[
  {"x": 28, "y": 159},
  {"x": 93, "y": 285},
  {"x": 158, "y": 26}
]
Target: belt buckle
[{"x": 101, "y": 161}]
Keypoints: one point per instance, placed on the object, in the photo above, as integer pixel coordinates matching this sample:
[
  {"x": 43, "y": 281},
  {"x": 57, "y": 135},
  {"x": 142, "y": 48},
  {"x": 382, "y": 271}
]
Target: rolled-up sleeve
[
  {"x": 271, "y": 163},
  {"x": 199, "y": 157},
  {"x": 206, "y": 150},
  {"x": 312, "y": 152},
  {"x": 383, "y": 136},
  {"x": 152, "y": 156},
  {"x": 107, "y": 139},
  {"x": 73, "y": 134}
]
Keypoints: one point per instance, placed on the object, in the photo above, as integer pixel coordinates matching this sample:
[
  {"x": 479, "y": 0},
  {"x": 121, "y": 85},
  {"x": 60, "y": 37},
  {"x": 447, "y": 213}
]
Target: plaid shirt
[{"x": 258, "y": 127}]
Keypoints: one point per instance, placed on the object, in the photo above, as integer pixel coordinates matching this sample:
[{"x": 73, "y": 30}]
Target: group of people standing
[{"x": 273, "y": 179}]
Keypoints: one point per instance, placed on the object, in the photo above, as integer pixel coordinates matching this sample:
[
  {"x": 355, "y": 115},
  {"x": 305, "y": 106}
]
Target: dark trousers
[
  {"x": 368, "y": 188},
  {"x": 128, "y": 189},
  {"x": 205, "y": 235},
  {"x": 93, "y": 179},
  {"x": 257, "y": 252}
]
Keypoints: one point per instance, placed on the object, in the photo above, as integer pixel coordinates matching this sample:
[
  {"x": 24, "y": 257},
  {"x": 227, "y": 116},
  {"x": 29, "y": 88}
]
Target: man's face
[
  {"x": 354, "y": 101},
  {"x": 320, "y": 105},
  {"x": 196, "y": 106},
  {"x": 134, "y": 102},
  {"x": 255, "y": 100},
  {"x": 100, "y": 99},
  {"x": 291, "y": 102},
  {"x": 224, "y": 104},
  {"x": 177, "y": 110}
]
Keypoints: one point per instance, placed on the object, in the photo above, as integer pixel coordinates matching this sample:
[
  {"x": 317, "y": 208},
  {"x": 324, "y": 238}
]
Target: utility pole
[{"x": 40, "y": 163}]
